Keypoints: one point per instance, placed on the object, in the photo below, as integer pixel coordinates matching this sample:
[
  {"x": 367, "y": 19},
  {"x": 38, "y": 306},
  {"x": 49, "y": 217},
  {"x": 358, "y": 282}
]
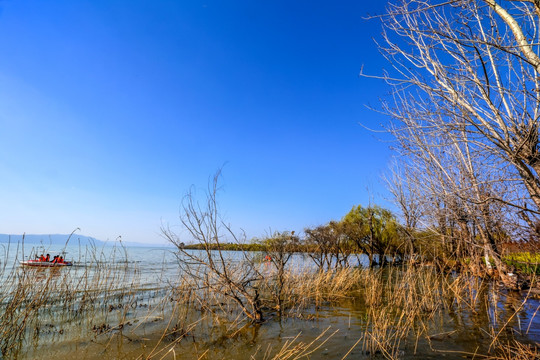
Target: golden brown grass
[
  {"x": 35, "y": 301},
  {"x": 514, "y": 350},
  {"x": 401, "y": 306}
]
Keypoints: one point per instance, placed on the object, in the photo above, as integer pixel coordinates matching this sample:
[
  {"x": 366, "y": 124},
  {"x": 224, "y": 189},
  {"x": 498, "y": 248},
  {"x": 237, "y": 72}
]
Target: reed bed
[
  {"x": 403, "y": 307},
  {"x": 295, "y": 349},
  {"x": 514, "y": 350},
  {"x": 79, "y": 302},
  {"x": 409, "y": 304},
  {"x": 400, "y": 308}
]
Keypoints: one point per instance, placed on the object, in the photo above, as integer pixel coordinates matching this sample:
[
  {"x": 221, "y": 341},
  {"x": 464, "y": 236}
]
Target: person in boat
[
  {"x": 42, "y": 257},
  {"x": 61, "y": 260},
  {"x": 48, "y": 258},
  {"x": 55, "y": 260}
]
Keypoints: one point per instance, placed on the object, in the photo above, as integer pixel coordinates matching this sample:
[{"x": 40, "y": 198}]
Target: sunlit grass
[
  {"x": 398, "y": 307},
  {"x": 525, "y": 262}
]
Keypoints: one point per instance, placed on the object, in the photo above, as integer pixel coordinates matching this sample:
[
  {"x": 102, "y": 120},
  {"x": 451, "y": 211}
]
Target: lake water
[
  {"x": 145, "y": 276},
  {"x": 149, "y": 262}
]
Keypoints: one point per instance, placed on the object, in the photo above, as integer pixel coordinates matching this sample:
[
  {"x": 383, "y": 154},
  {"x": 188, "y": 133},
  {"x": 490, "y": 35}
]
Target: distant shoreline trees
[{"x": 371, "y": 230}]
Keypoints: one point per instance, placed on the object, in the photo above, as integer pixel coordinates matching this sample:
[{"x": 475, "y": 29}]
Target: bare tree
[
  {"x": 329, "y": 246},
  {"x": 280, "y": 248},
  {"x": 211, "y": 269},
  {"x": 465, "y": 104},
  {"x": 401, "y": 184},
  {"x": 454, "y": 190},
  {"x": 470, "y": 67},
  {"x": 320, "y": 241}
]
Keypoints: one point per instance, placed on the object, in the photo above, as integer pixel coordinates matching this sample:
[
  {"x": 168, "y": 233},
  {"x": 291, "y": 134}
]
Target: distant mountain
[
  {"x": 60, "y": 239},
  {"x": 52, "y": 239}
]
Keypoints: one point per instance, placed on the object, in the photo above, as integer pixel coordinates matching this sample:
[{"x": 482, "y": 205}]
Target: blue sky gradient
[{"x": 110, "y": 110}]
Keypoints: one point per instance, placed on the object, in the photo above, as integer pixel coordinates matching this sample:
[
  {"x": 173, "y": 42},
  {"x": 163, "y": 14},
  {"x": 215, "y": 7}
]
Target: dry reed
[{"x": 402, "y": 305}]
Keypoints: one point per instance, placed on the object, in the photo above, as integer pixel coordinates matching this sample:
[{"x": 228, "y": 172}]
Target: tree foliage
[{"x": 373, "y": 230}]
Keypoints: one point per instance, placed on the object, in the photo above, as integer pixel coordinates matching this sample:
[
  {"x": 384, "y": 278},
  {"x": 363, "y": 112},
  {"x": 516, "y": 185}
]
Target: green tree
[{"x": 373, "y": 230}]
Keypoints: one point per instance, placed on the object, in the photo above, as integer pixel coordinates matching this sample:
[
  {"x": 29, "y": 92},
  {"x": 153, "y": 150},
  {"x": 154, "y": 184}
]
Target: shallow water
[
  {"x": 345, "y": 327},
  {"x": 142, "y": 278}
]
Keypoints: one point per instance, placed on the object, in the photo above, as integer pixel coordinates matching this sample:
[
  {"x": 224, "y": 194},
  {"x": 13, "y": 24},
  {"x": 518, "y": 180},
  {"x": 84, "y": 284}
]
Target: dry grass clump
[
  {"x": 514, "y": 350},
  {"x": 307, "y": 287},
  {"x": 400, "y": 306},
  {"x": 80, "y": 301},
  {"x": 404, "y": 305},
  {"x": 294, "y": 349},
  {"x": 398, "y": 301},
  {"x": 298, "y": 290}
]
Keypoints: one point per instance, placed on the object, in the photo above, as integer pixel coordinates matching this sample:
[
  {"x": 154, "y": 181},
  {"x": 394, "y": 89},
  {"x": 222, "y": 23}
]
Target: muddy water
[
  {"x": 113, "y": 331},
  {"x": 451, "y": 338}
]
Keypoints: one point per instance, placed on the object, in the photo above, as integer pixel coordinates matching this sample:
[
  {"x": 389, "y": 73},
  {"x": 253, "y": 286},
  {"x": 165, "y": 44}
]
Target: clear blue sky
[{"x": 110, "y": 110}]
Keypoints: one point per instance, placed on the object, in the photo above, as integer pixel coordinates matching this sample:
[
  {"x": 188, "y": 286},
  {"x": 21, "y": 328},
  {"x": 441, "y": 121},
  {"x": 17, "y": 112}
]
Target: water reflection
[{"x": 109, "y": 307}]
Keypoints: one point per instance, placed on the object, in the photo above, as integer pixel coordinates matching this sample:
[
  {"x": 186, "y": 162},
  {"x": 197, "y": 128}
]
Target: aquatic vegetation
[
  {"x": 525, "y": 262},
  {"x": 90, "y": 299},
  {"x": 295, "y": 349},
  {"x": 104, "y": 309},
  {"x": 514, "y": 350}
]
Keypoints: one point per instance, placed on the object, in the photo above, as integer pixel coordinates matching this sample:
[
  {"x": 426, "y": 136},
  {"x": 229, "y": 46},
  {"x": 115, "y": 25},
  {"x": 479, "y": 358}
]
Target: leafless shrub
[
  {"x": 211, "y": 269},
  {"x": 280, "y": 248},
  {"x": 465, "y": 100}
]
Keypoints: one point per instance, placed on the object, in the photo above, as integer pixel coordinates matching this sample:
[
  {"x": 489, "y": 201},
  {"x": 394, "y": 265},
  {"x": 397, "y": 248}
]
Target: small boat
[{"x": 39, "y": 263}]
